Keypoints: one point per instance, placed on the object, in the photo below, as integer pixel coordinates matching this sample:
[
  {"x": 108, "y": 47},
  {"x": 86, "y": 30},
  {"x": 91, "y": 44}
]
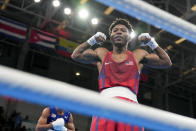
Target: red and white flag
[{"x": 12, "y": 29}]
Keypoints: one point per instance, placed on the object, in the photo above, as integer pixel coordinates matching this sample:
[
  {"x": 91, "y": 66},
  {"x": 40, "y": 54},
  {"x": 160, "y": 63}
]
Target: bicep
[
  {"x": 88, "y": 56},
  {"x": 43, "y": 118},
  {"x": 153, "y": 60}
]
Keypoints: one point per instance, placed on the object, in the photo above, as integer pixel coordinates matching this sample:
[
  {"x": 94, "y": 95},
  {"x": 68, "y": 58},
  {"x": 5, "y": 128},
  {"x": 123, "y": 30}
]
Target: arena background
[{"x": 172, "y": 90}]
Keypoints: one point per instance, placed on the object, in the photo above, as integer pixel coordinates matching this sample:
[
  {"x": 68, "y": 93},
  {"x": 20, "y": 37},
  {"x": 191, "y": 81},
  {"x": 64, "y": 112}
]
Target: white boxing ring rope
[
  {"x": 50, "y": 92},
  {"x": 155, "y": 16}
]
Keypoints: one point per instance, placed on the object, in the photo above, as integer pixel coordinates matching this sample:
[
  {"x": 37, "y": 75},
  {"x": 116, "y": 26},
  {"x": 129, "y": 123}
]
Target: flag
[
  {"x": 43, "y": 39},
  {"x": 144, "y": 75},
  {"x": 66, "y": 47},
  {"x": 12, "y": 29}
]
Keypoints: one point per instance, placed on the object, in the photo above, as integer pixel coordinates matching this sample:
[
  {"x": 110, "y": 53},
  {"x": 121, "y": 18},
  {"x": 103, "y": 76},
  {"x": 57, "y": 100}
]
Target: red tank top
[{"x": 123, "y": 74}]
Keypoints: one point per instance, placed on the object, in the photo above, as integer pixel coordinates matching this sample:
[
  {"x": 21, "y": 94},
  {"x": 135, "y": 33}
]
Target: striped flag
[
  {"x": 43, "y": 39},
  {"x": 12, "y": 29},
  {"x": 66, "y": 47}
]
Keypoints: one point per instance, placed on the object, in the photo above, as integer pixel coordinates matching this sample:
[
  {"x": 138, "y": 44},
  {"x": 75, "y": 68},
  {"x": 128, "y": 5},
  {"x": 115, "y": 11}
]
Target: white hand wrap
[
  {"x": 64, "y": 129},
  {"x": 152, "y": 43},
  {"x": 91, "y": 41},
  {"x": 58, "y": 124}
]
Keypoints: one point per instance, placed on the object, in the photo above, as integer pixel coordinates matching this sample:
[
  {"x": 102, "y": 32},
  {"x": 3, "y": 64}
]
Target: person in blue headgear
[{"x": 55, "y": 119}]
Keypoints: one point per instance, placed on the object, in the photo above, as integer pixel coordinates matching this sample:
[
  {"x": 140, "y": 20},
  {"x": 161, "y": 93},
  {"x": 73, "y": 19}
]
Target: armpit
[{"x": 144, "y": 61}]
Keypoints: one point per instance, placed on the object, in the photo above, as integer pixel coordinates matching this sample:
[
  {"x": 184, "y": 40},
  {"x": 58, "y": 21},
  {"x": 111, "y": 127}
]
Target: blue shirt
[{"x": 54, "y": 115}]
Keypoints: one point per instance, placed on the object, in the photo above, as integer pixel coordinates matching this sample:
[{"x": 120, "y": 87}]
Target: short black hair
[{"x": 122, "y": 22}]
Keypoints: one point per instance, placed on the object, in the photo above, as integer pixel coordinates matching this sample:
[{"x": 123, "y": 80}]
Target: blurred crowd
[{"x": 12, "y": 122}]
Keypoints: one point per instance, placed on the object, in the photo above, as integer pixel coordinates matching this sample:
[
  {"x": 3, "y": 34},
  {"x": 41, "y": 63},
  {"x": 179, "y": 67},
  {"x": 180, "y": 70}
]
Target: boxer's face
[{"x": 120, "y": 35}]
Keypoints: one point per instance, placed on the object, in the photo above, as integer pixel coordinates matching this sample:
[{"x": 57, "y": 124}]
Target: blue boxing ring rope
[{"x": 50, "y": 92}]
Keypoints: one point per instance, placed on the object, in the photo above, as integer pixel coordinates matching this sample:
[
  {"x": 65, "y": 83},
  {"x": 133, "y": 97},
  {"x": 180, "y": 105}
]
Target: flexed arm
[
  {"x": 42, "y": 122},
  {"x": 84, "y": 54},
  {"x": 158, "y": 59}
]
